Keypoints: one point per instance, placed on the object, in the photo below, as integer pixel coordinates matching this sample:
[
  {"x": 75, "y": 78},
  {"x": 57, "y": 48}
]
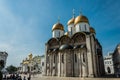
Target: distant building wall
[
  {"x": 116, "y": 59},
  {"x": 108, "y": 62}
]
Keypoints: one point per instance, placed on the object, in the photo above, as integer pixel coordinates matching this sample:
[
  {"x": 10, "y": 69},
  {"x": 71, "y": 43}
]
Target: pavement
[{"x": 40, "y": 77}]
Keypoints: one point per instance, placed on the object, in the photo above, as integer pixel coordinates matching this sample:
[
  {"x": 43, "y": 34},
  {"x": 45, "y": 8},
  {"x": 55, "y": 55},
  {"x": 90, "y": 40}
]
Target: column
[
  {"x": 59, "y": 64},
  {"x": 89, "y": 56}
]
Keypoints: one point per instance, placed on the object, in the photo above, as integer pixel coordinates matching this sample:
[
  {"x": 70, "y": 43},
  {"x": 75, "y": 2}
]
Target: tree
[
  {"x": 1, "y": 67},
  {"x": 1, "y": 64},
  {"x": 1, "y": 76},
  {"x": 11, "y": 69}
]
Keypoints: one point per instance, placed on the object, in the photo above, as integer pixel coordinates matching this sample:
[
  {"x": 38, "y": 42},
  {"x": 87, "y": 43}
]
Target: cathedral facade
[{"x": 75, "y": 53}]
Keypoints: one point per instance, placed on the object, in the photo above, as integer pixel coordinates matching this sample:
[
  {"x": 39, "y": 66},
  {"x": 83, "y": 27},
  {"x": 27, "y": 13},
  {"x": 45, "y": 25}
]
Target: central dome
[
  {"x": 81, "y": 18},
  {"x": 58, "y": 26}
]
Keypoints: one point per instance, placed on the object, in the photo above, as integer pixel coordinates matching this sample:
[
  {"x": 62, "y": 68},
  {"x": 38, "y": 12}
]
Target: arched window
[
  {"x": 62, "y": 58},
  {"x": 75, "y": 58},
  {"x": 83, "y": 57}
]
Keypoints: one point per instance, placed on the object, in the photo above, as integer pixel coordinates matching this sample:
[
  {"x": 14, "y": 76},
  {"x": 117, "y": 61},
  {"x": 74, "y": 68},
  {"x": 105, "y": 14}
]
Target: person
[
  {"x": 24, "y": 78},
  {"x": 19, "y": 78},
  {"x": 29, "y": 77}
]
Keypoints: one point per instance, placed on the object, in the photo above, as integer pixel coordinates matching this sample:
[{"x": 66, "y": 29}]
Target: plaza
[{"x": 38, "y": 77}]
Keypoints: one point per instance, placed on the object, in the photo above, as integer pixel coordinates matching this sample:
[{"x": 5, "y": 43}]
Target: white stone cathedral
[{"x": 75, "y": 53}]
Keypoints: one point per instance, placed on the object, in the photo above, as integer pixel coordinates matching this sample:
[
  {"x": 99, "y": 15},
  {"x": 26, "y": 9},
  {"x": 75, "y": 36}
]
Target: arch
[
  {"x": 53, "y": 42},
  {"x": 79, "y": 37},
  {"x": 64, "y": 40},
  {"x": 108, "y": 69}
]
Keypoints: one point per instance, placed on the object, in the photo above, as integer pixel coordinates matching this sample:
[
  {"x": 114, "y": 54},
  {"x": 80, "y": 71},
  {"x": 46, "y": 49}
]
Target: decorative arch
[
  {"x": 79, "y": 37},
  {"x": 53, "y": 42},
  {"x": 64, "y": 39}
]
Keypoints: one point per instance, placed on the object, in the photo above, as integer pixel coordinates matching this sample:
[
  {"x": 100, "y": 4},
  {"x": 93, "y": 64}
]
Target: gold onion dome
[
  {"x": 92, "y": 30},
  {"x": 71, "y": 21},
  {"x": 58, "y": 26},
  {"x": 81, "y": 18}
]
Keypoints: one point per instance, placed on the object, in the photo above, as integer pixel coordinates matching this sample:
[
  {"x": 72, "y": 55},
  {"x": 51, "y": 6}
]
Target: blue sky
[{"x": 25, "y": 25}]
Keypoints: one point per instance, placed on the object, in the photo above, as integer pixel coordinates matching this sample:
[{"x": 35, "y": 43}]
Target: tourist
[
  {"x": 24, "y": 78},
  {"x": 29, "y": 78}
]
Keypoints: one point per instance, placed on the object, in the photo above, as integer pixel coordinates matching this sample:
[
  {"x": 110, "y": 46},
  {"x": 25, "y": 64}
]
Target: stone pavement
[
  {"x": 39, "y": 77},
  {"x": 69, "y": 78}
]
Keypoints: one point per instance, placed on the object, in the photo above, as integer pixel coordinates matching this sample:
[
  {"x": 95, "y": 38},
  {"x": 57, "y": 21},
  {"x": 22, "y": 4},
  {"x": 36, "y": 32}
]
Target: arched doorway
[{"x": 108, "y": 70}]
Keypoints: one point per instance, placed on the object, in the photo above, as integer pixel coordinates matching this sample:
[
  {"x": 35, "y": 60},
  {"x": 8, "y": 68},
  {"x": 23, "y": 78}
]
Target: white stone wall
[
  {"x": 82, "y": 27},
  {"x": 24, "y": 68},
  {"x": 108, "y": 62},
  {"x": 77, "y": 63},
  {"x": 71, "y": 29},
  {"x": 57, "y": 33},
  {"x": 43, "y": 65},
  {"x": 89, "y": 56}
]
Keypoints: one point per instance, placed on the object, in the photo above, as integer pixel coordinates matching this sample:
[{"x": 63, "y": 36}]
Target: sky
[{"x": 26, "y": 25}]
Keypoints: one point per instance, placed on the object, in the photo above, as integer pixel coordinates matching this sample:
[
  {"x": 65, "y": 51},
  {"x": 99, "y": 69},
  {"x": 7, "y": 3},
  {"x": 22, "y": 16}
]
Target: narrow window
[
  {"x": 79, "y": 28},
  {"x": 48, "y": 58},
  {"x": 62, "y": 58},
  {"x": 71, "y": 31},
  {"x": 85, "y": 27},
  {"x": 75, "y": 58},
  {"x": 42, "y": 63},
  {"x": 59, "y": 33},
  {"x": 83, "y": 57},
  {"x": 54, "y": 58}
]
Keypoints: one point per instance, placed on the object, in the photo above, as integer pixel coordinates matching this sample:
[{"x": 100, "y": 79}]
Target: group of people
[{"x": 16, "y": 77}]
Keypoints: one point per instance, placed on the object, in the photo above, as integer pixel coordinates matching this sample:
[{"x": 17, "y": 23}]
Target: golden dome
[
  {"x": 81, "y": 18},
  {"x": 92, "y": 30},
  {"x": 67, "y": 33},
  {"x": 71, "y": 21},
  {"x": 30, "y": 56},
  {"x": 58, "y": 26}
]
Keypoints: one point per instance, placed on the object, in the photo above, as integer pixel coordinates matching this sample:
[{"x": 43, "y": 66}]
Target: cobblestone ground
[{"x": 39, "y": 77}]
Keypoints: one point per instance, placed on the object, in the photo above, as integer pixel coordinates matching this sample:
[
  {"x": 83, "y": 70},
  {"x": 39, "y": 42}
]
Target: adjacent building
[
  {"x": 116, "y": 59},
  {"x": 108, "y": 62},
  {"x": 76, "y": 52},
  {"x": 43, "y": 65},
  {"x": 31, "y": 64}
]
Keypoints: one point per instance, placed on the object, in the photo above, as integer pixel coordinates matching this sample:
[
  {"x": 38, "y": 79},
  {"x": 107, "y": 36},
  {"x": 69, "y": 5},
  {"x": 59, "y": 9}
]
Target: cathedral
[{"x": 75, "y": 53}]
